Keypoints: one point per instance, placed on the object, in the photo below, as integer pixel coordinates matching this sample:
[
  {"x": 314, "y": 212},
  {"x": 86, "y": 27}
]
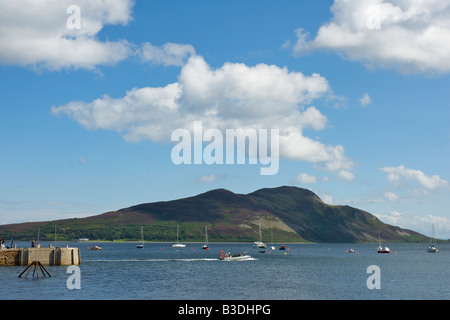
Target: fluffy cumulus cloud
[
  {"x": 230, "y": 97},
  {"x": 419, "y": 223},
  {"x": 390, "y": 196},
  {"x": 61, "y": 34},
  {"x": 304, "y": 178},
  {"x": 169, "y": 54},
  {"x": 401, "y": 173},
  {"x": 346, "y": 175},
  {"x": 365, "y": 100},
  {"x": 407, "y": 35}
]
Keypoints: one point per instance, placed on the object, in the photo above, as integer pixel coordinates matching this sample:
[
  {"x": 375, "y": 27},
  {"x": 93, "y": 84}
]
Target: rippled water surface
[{"x": 304, "y": 271}]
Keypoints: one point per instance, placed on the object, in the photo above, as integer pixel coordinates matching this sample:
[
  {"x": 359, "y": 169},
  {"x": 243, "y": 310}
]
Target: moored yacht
[
  {"x": 381, "y": 249},
  {"x": 432, "y": 248},
  {"x": 178, "y": 245}
]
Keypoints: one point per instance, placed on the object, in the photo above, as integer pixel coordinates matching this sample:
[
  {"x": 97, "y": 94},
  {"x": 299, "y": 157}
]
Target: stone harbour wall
[
  {"x": 46, "y": 256},
  {"x": 9, "y": 257}
]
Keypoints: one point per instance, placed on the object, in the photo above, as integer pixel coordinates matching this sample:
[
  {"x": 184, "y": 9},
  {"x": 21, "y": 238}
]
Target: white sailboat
[
  {"x": 259, "y": 243},
  {"x": 205, "y": 246},
  {"x": 178, "y": 245},
  {"x": 381, "y": 249},
  {"x": 141, "y": 245},
  {"x": 432, "y": 248},
  {"x": 271, "y": 240}
]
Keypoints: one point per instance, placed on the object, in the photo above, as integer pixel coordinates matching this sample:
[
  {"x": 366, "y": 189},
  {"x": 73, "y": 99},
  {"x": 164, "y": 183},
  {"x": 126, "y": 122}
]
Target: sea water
[{"x": 302, "y": 272}]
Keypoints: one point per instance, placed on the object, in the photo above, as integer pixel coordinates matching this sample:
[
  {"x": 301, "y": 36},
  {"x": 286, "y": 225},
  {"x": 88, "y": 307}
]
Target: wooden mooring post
[{"x": 35, "y": 265}]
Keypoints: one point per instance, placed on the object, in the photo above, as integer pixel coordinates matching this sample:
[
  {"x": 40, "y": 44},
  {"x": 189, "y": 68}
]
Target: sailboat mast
[{"x": 260, "y": 236}]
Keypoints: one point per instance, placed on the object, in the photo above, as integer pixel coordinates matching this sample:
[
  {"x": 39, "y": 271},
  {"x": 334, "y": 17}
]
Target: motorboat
[
  {"x": 95, "y": 248},
  {"x": 234, "y": 257},
  {"x": 282, "y": 247}
]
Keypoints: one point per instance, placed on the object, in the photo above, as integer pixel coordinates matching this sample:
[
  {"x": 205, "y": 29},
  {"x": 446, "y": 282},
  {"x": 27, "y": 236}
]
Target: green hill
[{"x": 288, "y": 214}]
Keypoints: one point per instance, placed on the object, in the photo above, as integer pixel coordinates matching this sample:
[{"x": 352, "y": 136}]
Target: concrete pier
[{"x": 46, "y": 256}]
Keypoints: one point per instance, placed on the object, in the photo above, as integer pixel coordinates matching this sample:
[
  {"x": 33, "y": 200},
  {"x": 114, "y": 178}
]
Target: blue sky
[{"x": 358, "y": 89}]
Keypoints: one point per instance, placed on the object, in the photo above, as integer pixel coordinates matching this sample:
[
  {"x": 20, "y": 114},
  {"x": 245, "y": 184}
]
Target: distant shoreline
[
  {"x": 186, "y": 243},
  {"x": 162, "y": 242}
]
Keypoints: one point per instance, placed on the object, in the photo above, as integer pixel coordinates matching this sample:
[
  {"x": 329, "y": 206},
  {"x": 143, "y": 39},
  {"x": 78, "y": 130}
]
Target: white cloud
[
  {"x": 208, "y": 178},
  {"x": 391, "y": 196},
  {"x": 407, "y": 35},
  {"x": 304, "y": 178},
  {"x": 421, "y": 224},
  {"x": 324, "y": 196},
  {"x": 233, "y": 96},
  {"x": 169, "y": 54},
  {"x": 83, "y": 160},
  {"x": 365, "y": 100},
  {"x": 39, "y": 34},
  {"x": 397, "y": 174},
  {"x": 346, "y": 175}
]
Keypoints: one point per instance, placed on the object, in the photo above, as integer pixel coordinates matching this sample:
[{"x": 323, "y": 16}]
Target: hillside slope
[{"x": 286, "y": 214}]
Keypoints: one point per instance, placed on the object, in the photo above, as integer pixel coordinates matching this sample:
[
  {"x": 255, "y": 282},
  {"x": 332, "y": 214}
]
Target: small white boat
[
  {"x": 178, "y": 245},
  {"x": 141, "y": 245},
  {"x": 381, "y": 249},
  {"x": 234, "y": 257},
  {"x": 259, "y": 243},
  {"x": 271, "y": 240},
  {"x": 432, "y": 248},
  {"x": 205, "y": 246},
  {"x": 95, "y": 248}
]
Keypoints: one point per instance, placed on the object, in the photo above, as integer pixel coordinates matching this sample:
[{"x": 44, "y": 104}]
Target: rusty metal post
[{"x": 35, "y": 265}]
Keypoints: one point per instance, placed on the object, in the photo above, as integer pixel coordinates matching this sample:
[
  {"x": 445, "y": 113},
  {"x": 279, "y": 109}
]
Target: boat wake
[{"x": 151, "y": 260}]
